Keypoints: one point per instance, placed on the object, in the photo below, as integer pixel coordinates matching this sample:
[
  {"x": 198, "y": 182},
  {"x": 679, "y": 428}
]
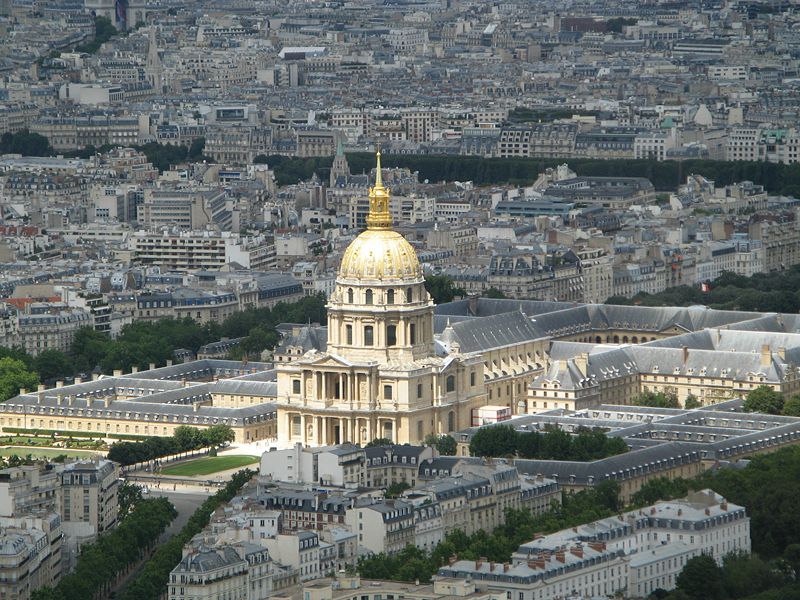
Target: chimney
[
  {"x": 70, "y": 399},
  {"x": 505, "y": 567},
  {"x": 59, "y": 399},
  {"x": 680, "y": 512},
  {"x": 766, "y": 355},
  {"x": 152, "y": 366},
  {"x": 685, "y": 354},
  {"x": 107, "y": 401},
  {"x": 782, "y": 353},
  {"x": 117, "y": 372},
  {"x": 478, "y": 564},
  {"x": 561, "y": 556},
  {"x": 452, "y": 560},
  {"x": 22, "y": 391},
  {"x": 169, "y": 362},
  {"x": 539, "y": 563},
  {"x": 195, "y": 406},
  {"x": 597, "y": 546},
  {"x": 40, "y": 388},
  {"x": 472, "y": 305},
  {"x": 95, "y": 376},
  {"x": 653, "y": 510},
  {"x": 78, "y": 380},
  {"x": 491, "y": 567},
  {"x": 59, "y": 383},
  {"x": 708, "y": 511},
  {"x": 577, "y": 551},
  {"x": 134, "y": 369},
  {"x": 582, "y": 363},
  {"x": 724, "y": 505},
  {"x": 39, "y": 397}
]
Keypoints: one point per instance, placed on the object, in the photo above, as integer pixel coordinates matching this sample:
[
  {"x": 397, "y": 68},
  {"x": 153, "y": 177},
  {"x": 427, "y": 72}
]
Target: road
[{"x": 185, "y": 504}]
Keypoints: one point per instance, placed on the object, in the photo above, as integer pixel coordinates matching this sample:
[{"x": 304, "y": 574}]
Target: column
[
  {"x": 324, "y": 430},
  {"x": 341, "y": 386},
  {"x": 324, "y": 386},
  {"x": 342, "y": 430}
]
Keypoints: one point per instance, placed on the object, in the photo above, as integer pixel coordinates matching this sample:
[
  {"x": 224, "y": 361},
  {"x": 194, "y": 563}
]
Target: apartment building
[
  {"x": 48, "y": 328},
  {"x": 186, "y": 210},
  {"x": 199, "y": 250},
  {"x": 30, "y": 554},
  {"x": 550, "y": 140},
  {"x": 342, "y": 465},
  {"x": 639, "y": 551},
  {"x": 384, "y": 526}
]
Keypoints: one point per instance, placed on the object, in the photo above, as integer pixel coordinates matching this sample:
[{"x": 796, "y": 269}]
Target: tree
[
  {"x": 187, "y": 438},
  {"x": 442, "y": 289},
  {"x": 764, "y": 399},
  {"x": 701, "y": 579},
  {"x": 217, "y": 435},
  {"x": 377, "y": 442},
  {"x": 196, "y": 148},
  {"x": 445, "y": 444},
  {"x": 497, "y": 440},
  {"x": 26, "y": 143},
  {"x": 53, "y": 364},
  {"x": 791, "y": 407},
  {"x": 494, "y": 293},
  {"x": 14, "y": 375},
  {"x": 89, "y": 347},
  {"x": 691, "y": 402},
  {"x": 745, "y": 575},
  {"x": 657, "y": 399},
  {"x": 397, "y": 488}
]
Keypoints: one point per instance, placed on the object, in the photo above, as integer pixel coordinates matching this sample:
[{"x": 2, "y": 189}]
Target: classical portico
[{"x": 380, "y": 375}]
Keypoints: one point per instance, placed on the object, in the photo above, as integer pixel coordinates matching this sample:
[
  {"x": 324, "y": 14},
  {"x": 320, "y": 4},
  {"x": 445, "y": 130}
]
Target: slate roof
[{"x": 476, "y": 335}]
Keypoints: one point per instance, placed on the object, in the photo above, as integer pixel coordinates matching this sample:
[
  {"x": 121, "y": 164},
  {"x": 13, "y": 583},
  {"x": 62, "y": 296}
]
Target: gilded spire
[{"x": 379, "y": 217}]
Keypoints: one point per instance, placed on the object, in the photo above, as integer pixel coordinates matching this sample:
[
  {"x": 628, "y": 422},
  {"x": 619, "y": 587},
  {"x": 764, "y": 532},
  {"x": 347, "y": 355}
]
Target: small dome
[{"x": 380, "y": 254}]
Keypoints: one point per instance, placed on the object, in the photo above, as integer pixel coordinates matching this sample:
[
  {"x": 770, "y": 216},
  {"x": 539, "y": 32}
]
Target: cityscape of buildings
[{"x": 164, "y": 160}]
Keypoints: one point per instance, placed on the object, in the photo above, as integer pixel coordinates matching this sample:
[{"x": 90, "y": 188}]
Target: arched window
[
  {"x": 451, "y": 421},
  {"x": 390, "y": 297},
  {"x": 368, "y": 297},
  {"x": 391, "y": 335},
  {"x": 409, "y": 295},
  {"x": 412, "y": 334},
  {"x": 350, "y": 295},
  {"x": 369, "y": 339},
  {"x": 450, "y": 384}
]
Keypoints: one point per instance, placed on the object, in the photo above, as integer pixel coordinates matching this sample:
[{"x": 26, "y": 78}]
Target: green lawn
[
  {"x": 45, "y": 452},
  {"x": 210, "y": 464}
]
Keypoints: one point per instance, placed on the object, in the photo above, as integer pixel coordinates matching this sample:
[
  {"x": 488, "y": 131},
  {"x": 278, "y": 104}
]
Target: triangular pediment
[{"x": 329, "y": 360}]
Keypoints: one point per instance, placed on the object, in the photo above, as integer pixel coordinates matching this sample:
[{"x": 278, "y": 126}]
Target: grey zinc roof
[
  {"x": 500, "y": 330},
  {"x": 621, "y": 466}
]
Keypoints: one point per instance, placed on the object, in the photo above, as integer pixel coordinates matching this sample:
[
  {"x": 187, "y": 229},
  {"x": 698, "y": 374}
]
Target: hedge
[{"x": 55, "y": 432}]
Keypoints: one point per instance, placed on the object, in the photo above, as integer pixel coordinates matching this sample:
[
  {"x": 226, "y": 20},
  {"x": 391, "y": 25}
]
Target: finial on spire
[
  {"x": 379, "y": 217},
  {"x": 378, "y": 174}
]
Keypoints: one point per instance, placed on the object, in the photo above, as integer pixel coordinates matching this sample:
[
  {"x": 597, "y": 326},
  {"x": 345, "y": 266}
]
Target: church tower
[
  {"x": 379, "y": 375},
  {"x": 380, "y": 309},
  {"x": 339, "y": 168},
  {"x": 153, "y": 66}
]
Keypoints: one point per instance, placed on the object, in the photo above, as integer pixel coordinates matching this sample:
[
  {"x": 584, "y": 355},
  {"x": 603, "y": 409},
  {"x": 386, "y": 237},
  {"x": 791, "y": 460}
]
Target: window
[
  {"x": 450, "y": 383},
  {"x": 368, "y": 335},
  {"x": 350, "y": 295},
  {"x": 387, "y": 392},
  {"x": 409, "y": 295},
  {"x": 419, "y": 390},
  {"x": 391, "y": 335},
  {"x": 368, "y": 297},
  {"x": 472, "y": 379},
  {"x": 412, "y": 334},
  {"x": 295, "y": 386},
  {"x": 390, "y": 297},
  {"x": 349, "y": 332}
]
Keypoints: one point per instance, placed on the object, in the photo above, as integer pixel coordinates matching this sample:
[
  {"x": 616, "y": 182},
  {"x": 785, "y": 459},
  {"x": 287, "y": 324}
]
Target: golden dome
[{"x": 380, "y": 253}]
